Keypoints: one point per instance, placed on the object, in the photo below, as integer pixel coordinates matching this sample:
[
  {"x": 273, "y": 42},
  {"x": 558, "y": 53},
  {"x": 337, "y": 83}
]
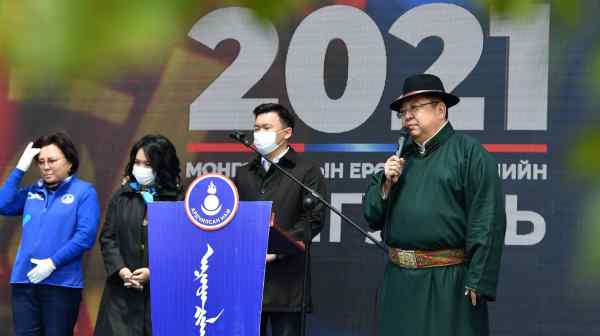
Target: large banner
[{"x": 525, "y": 92}]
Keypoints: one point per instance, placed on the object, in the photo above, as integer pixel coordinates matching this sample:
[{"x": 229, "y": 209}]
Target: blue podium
[{"x": 207, "y": 281}]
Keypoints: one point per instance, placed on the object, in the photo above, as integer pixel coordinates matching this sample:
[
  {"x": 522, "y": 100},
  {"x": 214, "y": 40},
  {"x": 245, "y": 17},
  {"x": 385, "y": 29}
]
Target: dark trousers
[
  {"x": 282, "y": 323},
  {"x": 43, "y": 310}
]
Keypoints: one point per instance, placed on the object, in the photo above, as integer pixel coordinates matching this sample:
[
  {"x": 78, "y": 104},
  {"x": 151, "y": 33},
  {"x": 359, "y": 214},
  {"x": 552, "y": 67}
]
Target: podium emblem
[{"x": 211, "y": 201}]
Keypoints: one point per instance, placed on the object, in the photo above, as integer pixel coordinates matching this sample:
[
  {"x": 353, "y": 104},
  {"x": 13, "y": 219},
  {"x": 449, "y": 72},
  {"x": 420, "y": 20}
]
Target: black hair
[
  {"x": 66, "y": 146},
  {"x": 286, "y": 117},
  {"x": 163, "y": 159}
]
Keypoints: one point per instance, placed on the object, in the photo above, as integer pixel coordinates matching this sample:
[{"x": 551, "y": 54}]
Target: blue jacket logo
[
  {"x": 34, "y": 196},
  {"x": 67, "y": 199},
  {"x": 211, "y": 201}
]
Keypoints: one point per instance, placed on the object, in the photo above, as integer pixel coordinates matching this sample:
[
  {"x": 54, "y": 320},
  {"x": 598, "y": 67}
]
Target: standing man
[
  {"x": 441, "y": 210},
  {"x": 258, "y": 181}
]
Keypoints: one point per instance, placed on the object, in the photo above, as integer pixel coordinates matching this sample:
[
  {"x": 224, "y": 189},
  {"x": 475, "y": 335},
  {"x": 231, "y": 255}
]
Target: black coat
[
  {"x": 123, "y": 241},
  {"x": 284, "y": 278}
]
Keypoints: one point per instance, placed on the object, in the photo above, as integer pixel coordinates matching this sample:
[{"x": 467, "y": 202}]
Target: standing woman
[
  {"x": 60, "y": 218},
  {"x": 152, "y": 174}
]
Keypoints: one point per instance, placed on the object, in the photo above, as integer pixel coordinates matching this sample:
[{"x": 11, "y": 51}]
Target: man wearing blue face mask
[{"x": 258, "y": 181}]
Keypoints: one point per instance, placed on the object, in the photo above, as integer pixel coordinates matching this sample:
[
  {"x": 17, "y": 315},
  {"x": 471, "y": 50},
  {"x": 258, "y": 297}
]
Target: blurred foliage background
[{"x": 49, "y": 42}]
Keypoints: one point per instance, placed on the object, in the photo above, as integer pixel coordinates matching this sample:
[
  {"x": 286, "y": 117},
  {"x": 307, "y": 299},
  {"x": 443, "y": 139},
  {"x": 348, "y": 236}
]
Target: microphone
[
  {"x": 240, "y": 137},
  {"x": 401, "y": 141}
]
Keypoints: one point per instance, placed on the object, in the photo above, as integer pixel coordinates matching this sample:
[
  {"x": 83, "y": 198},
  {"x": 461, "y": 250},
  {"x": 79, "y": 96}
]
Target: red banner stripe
[{"x": 517, "y": 148}]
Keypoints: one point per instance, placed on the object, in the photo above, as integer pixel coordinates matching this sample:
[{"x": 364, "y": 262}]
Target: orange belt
[{"x": 426, "y": 259}]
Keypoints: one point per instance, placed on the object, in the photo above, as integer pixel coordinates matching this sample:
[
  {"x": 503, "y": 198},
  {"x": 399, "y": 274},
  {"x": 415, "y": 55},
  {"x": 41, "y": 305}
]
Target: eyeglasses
[
  {"x": 52, "y": 162},
  {"x": 413, "y": 109}
]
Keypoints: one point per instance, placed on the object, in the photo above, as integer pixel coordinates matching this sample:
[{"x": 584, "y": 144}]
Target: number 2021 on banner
[{"x": 221, "y": 106}]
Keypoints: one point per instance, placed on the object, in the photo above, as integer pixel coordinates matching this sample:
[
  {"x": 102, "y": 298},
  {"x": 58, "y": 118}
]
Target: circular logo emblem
[
  {"x": 67, "y": 198},
  {"x": 211, "y": 201}
]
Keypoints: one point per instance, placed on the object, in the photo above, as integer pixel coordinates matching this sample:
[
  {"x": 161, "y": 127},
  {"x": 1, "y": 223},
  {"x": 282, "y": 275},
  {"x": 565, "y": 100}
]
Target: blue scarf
[{"x": 148, "y": 193}]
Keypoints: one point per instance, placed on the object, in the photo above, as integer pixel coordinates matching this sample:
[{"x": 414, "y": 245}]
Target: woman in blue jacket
[{"x": 60, "y": 216}]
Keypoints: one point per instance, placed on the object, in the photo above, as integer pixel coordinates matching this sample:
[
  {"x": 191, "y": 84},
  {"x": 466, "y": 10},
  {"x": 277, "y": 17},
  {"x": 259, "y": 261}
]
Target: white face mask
[
  {"x": 265, "y": 142},
  {"x": 144, "y": 175}
]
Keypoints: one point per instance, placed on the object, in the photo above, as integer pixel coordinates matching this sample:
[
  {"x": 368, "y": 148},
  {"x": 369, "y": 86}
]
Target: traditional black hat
[{"x": 424, "y": 84}]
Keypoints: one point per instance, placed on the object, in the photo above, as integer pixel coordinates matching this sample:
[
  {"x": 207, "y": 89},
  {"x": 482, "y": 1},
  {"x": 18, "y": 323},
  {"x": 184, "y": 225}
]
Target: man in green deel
[{"x": 441, "y": 210}]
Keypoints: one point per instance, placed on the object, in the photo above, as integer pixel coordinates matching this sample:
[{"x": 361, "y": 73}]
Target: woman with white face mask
[{"x": 152, "y": 174}]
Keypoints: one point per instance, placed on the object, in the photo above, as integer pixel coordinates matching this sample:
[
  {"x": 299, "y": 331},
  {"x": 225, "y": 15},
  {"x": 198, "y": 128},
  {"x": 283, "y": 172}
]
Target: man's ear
[
  {"x": 288, "y": 133},
  {"x": 443, "y": 110}
]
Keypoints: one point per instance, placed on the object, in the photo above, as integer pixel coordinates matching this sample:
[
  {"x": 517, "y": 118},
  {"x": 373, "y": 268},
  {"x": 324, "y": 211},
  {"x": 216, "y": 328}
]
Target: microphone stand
[{"x": 308, "y": 203}]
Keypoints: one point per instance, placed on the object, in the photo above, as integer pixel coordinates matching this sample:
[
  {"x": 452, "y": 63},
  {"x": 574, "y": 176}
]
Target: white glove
[
  {"x": 44, "y": 268},
  {"x": 27, "y": 157}
]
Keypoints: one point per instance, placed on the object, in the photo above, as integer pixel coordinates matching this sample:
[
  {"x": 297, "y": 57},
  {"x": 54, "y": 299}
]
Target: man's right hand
[
  {"x": 27, "y": 157},
  {"x": 393, "y": 169}
]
